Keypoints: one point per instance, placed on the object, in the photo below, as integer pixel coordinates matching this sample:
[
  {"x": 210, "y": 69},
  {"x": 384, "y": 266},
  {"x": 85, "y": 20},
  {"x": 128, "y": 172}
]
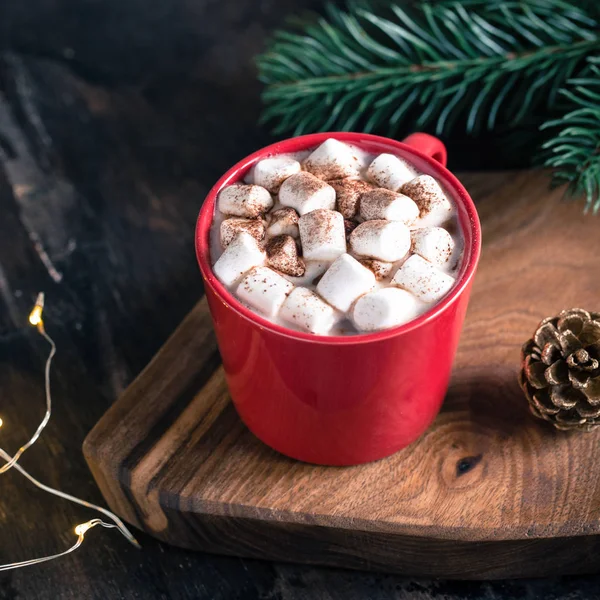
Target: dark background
[{"x": 116, "y": 116}]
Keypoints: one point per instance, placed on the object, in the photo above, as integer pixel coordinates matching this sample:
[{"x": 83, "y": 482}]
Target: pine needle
[
  {"x": 574, "y": 149},
  {"x": 480, "y": 63}
]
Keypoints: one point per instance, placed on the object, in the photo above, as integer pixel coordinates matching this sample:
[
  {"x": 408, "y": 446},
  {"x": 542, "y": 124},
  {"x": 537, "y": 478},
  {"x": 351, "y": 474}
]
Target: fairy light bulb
[
  {"x": 83, "y": 528},
  {"x": 36, "y": 319},
  {"x": 35, "y": 316}
]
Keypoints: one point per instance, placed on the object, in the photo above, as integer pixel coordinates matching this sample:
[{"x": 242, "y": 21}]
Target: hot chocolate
[{"x": 336, "y": 241}]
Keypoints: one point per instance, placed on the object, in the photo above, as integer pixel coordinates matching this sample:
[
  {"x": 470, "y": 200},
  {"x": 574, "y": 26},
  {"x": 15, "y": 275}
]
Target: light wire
[{"x": 35, "y": 318}]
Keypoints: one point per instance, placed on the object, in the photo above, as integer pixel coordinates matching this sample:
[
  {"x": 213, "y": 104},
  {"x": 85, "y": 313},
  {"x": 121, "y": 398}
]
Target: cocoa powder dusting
[
  {"x": 326, "y": 171},
  {"x": 248, "y": 195},
  {"x": 422, "y": 191},
  {"x": 231, "y": 227},
  {"x": 380, "y": 269},
  {"x": 321, "y": 222},
  {"x": 304, "y": 184},
  {"x": 348, "y": 193},
  {"x": 374, "y": 202},
  {"x": 277, "y": 244},
  {"x": 281, "y": 233},
  {"x": 287, "y": 213},
  {"x": 282, "y": 255}
]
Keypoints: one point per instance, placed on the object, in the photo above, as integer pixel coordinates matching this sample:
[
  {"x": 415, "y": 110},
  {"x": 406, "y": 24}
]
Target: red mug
[{"x": 341, "y": 400}]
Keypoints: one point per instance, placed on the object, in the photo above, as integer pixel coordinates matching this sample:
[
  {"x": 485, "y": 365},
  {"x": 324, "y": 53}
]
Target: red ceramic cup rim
[{"x": 468, "y": 219}]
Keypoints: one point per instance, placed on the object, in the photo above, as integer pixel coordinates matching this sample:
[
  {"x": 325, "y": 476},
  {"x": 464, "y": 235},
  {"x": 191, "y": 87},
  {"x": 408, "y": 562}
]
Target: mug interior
[{"x": 467, "y": 218}]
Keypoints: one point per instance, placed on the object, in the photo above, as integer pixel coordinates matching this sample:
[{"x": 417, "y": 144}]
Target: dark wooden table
[{"x": 115, "y": 119}]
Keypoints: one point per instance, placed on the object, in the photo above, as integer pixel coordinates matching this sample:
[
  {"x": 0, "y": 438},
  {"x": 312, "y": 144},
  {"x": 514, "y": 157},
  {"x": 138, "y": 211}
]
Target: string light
[{"x": 36, "y": 319}]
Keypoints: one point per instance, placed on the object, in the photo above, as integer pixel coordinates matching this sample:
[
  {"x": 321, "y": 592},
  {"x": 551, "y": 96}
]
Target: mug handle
[{"x": 428, "y": 145}]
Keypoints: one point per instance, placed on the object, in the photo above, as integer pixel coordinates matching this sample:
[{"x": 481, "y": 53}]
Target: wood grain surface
[{"x": 486, "y": 492}]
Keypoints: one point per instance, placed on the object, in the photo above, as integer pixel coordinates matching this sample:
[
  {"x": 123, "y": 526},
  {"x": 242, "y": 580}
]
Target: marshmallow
[
  {"x": 231, "y": 227},
  {"x": 242, "y": 253},
  {"x": 388, "y": 241},
  {"x": 380, "y": 269},
  {"x": 264, "y": 290},
  {"x": 244, "y": 200},
  {"x": 385, "y": 204},
  {"x": 388, "y": 307},
  {"x": 348, "y": 193},
  {"x": 435, "y": 207},
  {"x": 314, "y": 269},
  {"x": 305, "y": 192},
  {"x": 425, "y": 281},
  {"x": 322, "y": 235},
  {"x": 433, "y": 244},
  {"x": 272, "y": 172},
  {"x": 306, "y": 311},
  {"x": 283, "y": 221},
  {"x": 249, "y": 176},
  {"x": 390, "y": 172},
  {"x": 333, "y": 160},
  {"x": 282, "y": 255},
  {"x": 344, "y": 282}
]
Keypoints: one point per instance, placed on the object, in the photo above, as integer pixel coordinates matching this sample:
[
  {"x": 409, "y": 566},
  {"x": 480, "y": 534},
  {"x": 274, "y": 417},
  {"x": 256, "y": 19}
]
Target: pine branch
[
  {"x": 480, "y": 63},
  {"x": 574, "y": 151}
]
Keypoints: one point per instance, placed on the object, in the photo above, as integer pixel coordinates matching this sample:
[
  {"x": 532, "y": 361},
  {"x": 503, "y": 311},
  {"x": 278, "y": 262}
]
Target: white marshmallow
[
  {"x": 244, "y": 200},
  {"x": 390, "y": 172},
  {"x": 433, "y": 244},
  {"x": 387, "y": 307},
  {"x": 435, "y": 207},
  {"x": 283, "y": 221},
  {"x": 385, "y": 204},
  {"x": 425, "y": 281},
  {"x": 388, "y": 241},
  {"x": 264, "y": 290},
  {"x": 272, "y": 172},
  {"x": 240, "y": 256},
  {"x": 333, "y": 160},
  {"x": 306, "y": 311},
  {"x": 344, "y": 282},
  {"x": 231, "y": 227},
  {"x": 249, "y": 176},
  {"x": 322, "y": 235},
  {"x": 305, "y": 192}
]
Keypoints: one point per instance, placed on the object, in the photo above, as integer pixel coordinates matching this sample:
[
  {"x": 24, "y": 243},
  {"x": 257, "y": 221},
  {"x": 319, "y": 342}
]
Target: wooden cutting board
[{"x": 487, "y": 492}]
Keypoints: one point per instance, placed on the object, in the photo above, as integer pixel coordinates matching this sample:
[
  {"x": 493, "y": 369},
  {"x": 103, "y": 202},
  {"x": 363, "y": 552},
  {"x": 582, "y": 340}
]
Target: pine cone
[{"x": 561, "y": 370}]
